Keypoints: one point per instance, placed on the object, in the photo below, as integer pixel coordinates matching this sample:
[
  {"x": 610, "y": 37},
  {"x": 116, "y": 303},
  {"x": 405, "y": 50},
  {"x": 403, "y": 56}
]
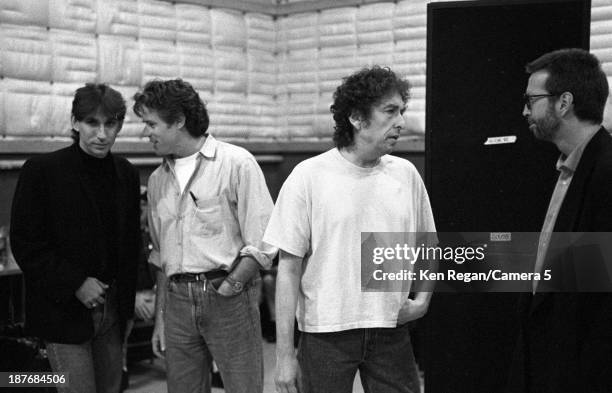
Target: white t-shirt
[
  {"x": 322, "y": 208},
  {"x": 184, "y": 167}
]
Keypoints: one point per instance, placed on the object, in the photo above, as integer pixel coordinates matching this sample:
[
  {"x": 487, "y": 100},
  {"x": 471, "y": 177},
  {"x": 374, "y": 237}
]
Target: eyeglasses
[{"x": 529, "y": 99}]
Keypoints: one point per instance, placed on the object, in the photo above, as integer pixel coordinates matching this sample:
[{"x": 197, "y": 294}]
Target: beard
[{"x": 545, "y": 128}]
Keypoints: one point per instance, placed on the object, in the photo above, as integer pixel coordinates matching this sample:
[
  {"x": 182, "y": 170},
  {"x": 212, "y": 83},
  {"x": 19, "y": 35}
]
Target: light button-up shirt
[
  {"x": 219, "y": 217},
  {"x": 566, "y": 165}
]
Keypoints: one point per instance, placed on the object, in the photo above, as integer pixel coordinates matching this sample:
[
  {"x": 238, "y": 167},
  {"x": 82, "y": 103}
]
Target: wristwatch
[{"x": 237, "y": 286}]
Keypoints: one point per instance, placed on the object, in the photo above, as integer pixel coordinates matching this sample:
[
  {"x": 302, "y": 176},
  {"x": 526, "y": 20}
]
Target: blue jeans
[
  {"x": 329, "y": 361},
  {"x": 200, "y": 324},
  {"x": 95, "y": 365}
]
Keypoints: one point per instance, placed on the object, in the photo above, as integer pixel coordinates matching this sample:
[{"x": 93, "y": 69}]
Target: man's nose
[
  {"x": 101, "y": 132},
  {"x": 526, "y": 111},
  {"x": 400, "y": 122}
]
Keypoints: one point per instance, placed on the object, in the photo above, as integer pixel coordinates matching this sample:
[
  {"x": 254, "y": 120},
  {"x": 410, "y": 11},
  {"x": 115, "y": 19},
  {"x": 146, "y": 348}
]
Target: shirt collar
[
  {"x": 208, "y": 150},
  {"x": 570, "y": 163}
]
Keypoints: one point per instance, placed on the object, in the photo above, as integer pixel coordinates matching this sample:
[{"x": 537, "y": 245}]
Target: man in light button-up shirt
[{"x": 209, "y": 207}]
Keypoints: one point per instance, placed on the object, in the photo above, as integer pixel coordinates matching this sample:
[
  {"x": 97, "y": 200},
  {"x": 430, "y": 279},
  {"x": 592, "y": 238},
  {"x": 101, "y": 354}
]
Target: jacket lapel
[
  {"x": 573, "y": 203},
  {"x": 121, "y": 204}
]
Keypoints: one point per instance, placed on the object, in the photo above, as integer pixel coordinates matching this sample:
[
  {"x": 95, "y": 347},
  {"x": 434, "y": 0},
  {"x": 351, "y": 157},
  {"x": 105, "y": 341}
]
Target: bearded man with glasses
[{"x": 565, "y": 342}]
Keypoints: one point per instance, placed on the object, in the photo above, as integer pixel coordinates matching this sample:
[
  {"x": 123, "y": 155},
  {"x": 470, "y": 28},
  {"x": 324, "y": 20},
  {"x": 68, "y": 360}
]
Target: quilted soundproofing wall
[
  {"x": 48, "y": 48},
  {"x": 263, "y": 77}
]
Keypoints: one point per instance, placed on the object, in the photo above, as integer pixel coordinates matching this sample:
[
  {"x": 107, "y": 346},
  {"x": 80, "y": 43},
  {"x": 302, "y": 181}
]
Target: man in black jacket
[
  {"x": 75, "y": 235},
  {"x": 566, "y": 333}
]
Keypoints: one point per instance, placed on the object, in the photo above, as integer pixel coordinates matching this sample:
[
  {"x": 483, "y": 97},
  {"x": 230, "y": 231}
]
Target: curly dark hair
[
  {"x": 95, "y": 97},
  {"x": 358, "y": 94},
  {"x": 172, "y": 99},
  {"x": 578, "y": 72}
]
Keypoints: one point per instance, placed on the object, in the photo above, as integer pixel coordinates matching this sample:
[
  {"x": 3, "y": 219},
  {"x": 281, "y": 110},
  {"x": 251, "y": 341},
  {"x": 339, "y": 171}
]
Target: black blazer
[
  {"x": 56, "y": 240},
  {"x": 565, "y": 343}
]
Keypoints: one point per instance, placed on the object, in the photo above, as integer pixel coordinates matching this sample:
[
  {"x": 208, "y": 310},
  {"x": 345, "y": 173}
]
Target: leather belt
[{"x": 191, "y": 277}]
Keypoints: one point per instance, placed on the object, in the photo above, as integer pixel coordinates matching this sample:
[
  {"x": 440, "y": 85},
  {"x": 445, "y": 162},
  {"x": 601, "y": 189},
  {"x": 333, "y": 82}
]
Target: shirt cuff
[{"x": 264, "y": 258}]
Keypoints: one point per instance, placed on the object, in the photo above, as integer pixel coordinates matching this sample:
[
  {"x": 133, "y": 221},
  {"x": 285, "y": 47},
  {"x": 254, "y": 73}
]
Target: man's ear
[
  {"x": 73, "y": 122},
  {"x": 180, "y": 123},
  {"x": 566, "y": 100},
  {"x": 356, "y": 119}
]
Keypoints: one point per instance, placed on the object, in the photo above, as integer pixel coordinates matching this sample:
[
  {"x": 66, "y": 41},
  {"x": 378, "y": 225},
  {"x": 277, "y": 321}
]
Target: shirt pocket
[{"x": 208, "y": 217}]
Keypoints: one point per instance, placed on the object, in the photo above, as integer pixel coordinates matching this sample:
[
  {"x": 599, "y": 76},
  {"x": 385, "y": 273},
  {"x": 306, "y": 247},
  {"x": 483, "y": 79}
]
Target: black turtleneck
[{"x": 99, "y": 173}]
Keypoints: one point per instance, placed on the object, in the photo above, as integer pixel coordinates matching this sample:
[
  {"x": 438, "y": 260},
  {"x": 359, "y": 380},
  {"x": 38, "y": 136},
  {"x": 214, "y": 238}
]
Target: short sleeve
[{"x": 289, "y": 227}]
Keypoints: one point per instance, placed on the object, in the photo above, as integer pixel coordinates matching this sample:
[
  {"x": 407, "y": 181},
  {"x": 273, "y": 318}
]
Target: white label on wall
[
  {"x": 500, "y": 140},
  {"x": 500, "y": 236}
]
